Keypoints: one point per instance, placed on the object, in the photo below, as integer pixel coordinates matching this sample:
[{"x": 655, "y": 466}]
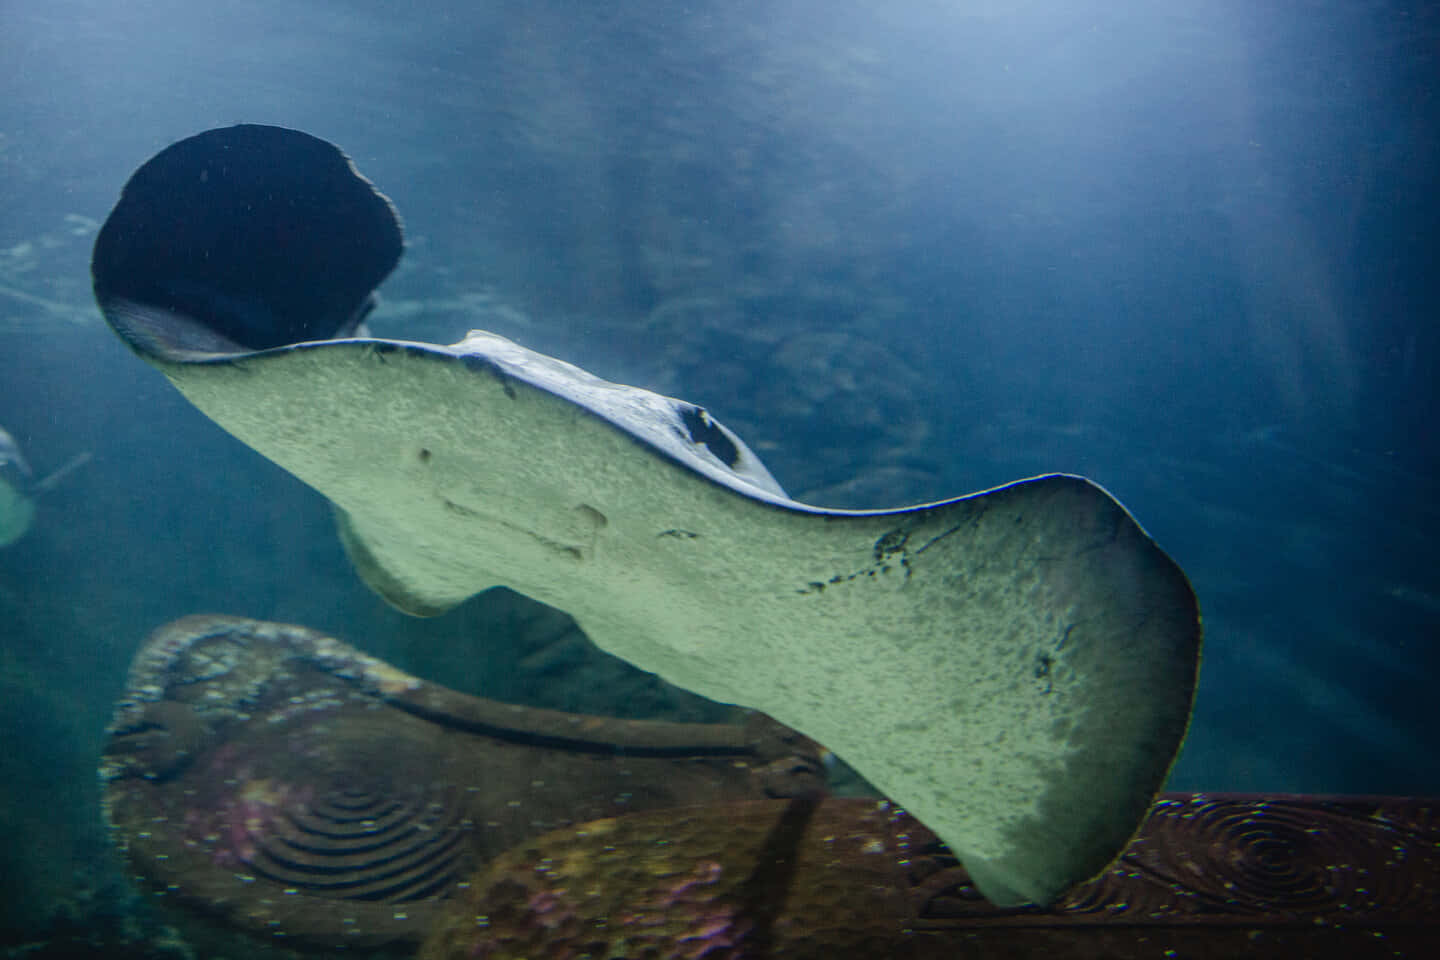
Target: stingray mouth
[{"x": 242, "y": 239}]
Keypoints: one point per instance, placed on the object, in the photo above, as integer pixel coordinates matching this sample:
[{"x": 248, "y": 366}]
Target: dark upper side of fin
[{"x": 260, "y": 236}]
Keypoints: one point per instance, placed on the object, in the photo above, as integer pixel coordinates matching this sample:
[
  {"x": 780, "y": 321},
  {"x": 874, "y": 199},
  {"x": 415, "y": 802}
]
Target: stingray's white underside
[{"x": 1015, "y": 667}]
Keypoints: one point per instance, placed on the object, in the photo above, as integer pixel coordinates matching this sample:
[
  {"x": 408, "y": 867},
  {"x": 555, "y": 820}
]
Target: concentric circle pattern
[
  {"x": 294, "y": 787},
  {"x": 1238, "y": 859},
  {"x": 358, "y": 844},
  {"x": 1298, "y": 857},
  {"x": 1267, "y": 856},
  {"x": 300, "y": 789}
]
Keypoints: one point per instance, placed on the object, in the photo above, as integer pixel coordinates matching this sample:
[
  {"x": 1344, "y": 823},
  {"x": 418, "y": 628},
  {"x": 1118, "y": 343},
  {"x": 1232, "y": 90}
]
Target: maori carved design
[
  {"x": 1236, "y": 859},
  {"x": 1209, "y": 876},
  {"x": 299, "y": 789},
  {"x": 304, "y": 790}
]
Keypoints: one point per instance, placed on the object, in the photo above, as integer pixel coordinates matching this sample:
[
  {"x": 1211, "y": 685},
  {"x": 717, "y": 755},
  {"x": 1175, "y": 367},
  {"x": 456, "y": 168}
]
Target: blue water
[{"x": 906, "y": 250}]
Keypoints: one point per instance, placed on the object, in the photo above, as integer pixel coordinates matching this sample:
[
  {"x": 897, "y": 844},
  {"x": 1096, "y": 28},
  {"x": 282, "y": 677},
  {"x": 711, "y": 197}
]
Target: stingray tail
[{"x": 65, "y": 469}]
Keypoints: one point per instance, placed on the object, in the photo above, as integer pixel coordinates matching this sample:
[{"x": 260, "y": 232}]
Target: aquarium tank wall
[{"x": 905, "y": 251}]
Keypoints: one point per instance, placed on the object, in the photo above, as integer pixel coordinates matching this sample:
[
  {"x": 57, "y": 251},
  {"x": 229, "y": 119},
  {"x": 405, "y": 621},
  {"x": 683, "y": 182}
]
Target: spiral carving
[
  {"x": 305, "y": 791},
  {"x": 358, "y": 843},
  {"x": 1279, "y": 856},
  {"x": 1236, "y": 859},
  {"x": 301, "y": 790}
]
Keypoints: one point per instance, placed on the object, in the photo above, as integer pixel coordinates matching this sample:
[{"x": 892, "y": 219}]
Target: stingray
[
  {"x": 10, "y": 454},
  {"x": 17, "y": 509},
  {"x": 18, "y": 491},
  {"x": 1016, "y": 667}
]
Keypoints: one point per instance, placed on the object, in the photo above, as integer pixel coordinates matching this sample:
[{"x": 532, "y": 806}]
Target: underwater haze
[{"x": 906, "y": 250}]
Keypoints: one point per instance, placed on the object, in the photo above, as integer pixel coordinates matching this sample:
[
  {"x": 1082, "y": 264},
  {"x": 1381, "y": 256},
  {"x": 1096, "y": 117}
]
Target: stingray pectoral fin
[
  {"x": 377, "y": 577},
  {"x": 1015, "y": 667},
  {"x": 242, "y": 238}
]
